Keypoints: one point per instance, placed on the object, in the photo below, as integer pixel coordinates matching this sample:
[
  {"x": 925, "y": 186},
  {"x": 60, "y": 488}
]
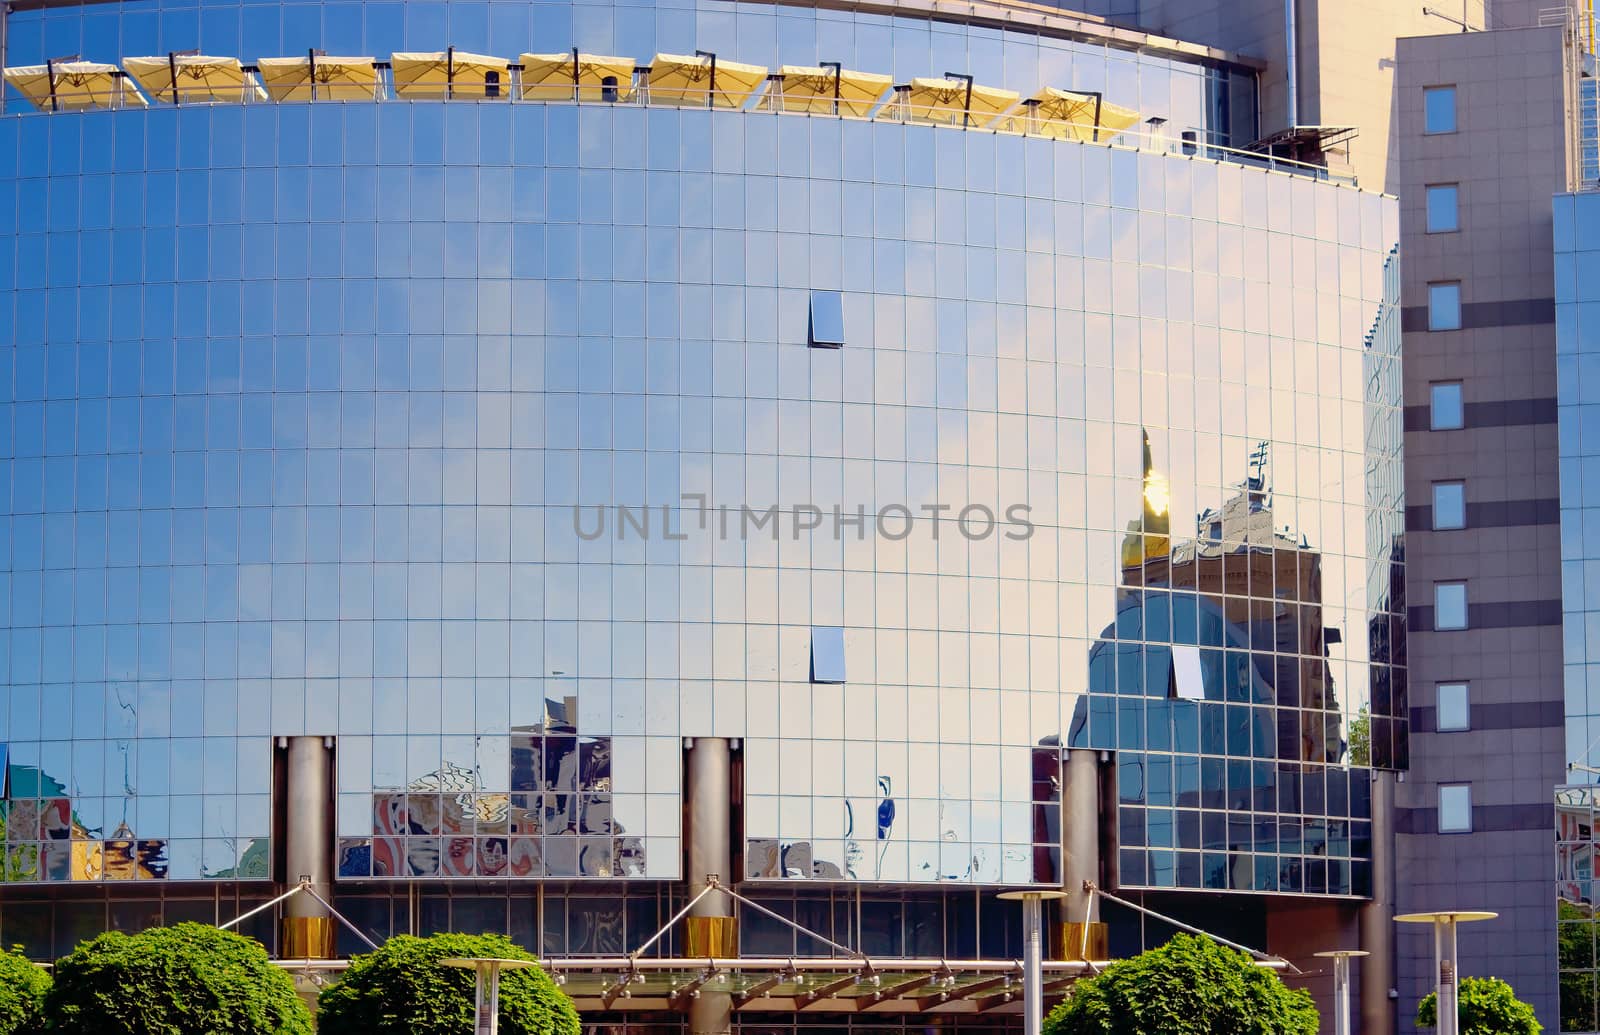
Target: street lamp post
[
  {"x": 1341, "y": 986},
  {"x": 1445, "y": 975},
  {"x": 1032, "y": 953},
  {"x": 486, "y": 1007}
]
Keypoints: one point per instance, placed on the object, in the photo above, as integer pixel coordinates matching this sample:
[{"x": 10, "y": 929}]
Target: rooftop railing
[{"x": 830, "y": 91}]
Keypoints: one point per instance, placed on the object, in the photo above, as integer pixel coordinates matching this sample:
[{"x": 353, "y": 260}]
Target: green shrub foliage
[
  {"x": 402, "y": 989},
  {"x": 1190, "y": 986},
  {"x": 22, "y": 989},
  {"x": 189, "y": 979},
  {"x": 1487, "y": 1006}
]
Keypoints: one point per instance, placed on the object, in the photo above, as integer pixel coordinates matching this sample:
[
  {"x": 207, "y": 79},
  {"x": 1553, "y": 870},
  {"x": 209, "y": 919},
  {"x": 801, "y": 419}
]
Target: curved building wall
[{"x": 490, "y": 440}]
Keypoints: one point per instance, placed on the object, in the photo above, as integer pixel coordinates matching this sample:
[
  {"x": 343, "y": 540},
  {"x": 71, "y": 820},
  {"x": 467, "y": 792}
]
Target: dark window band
[
  {"x": 1507, "y": 614},
  {"x": 1513, "y": 312},
  {"x": 1485, "y": 819},
  {"x": 1500, "y": 413},
  {"x": 1515, "y": 715},
  {"x": 1495, "y": 514}
]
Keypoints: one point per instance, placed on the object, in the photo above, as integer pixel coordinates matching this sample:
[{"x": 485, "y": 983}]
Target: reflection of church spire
[{"x": 1155, "y": 522}]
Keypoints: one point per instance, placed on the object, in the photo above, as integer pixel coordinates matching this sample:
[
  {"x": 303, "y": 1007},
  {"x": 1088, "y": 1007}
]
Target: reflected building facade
[{"x": 515, "y": 449}]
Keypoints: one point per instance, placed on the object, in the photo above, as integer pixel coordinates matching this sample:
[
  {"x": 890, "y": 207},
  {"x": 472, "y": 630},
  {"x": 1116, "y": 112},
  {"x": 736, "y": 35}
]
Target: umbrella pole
[
  {"x": 172, "y": 70},
  {"x": 838, "y": 73},
  {"x": 1099, "y": 99},
  {"x": 966, "y": 114},
  {"x": 577, "y": 86},
  {"x": 50, "y": 76},
  {"x": 450, "y": 73},
  {"x": 311, "y": 64},
  {"x": 711, "y": 97}
]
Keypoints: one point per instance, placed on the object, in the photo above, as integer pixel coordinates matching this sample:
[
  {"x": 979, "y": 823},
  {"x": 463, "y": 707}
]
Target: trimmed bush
[
  {"x": 402, "y": 989},
  {"x": 1190, "y": 986},
  {"x": 1488, "y": 1006},
  {"x": 22, "y": 989},
  {"x": 189, "y": 979}
]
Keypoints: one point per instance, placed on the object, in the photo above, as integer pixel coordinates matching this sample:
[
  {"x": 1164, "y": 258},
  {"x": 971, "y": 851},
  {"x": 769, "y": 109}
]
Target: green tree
[
  {"x": 1360, "y": 737},
  {"x": 1488, "y": 1006},
  {"x": 1190, "y": 986},
  {"x": 22, "y": 989},
  {"x": 402, "y": 989},
  {"x": 189, "y": 979}
]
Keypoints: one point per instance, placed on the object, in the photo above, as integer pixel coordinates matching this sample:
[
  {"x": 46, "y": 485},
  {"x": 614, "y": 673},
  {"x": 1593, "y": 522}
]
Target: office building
[{"x": 506, "y": 462}]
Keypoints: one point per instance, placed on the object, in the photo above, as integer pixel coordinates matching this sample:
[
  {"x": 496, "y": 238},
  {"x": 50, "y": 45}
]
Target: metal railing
[{"x": 766, "y": 98}]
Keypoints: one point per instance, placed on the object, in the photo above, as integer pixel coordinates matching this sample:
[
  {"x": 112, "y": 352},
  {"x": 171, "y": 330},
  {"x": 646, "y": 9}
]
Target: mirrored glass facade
[
  {"x": 1577, "y": 268},
  {"x": 489, "y": 440}
]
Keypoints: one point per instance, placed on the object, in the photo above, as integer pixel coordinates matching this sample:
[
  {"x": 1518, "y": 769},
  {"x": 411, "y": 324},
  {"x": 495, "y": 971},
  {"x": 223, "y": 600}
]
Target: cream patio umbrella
[
  {"x": 318, "y": 77},
  {"x": 194, "y": 78},
  {"x": 829, "y": 89},
  {"x": 1068, "y": 115},
  {"x": 691, "y": 81},
  {"x": 563, "y": 77},
  {"x": 451, "y": 74},
  {"x": 74, "y": 86},
  {"x": 956, "y": 101}
]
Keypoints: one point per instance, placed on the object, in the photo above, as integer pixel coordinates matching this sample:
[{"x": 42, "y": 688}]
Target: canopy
[
  {"x": 1066, "y": 115},
  {"x": 451, "y": 75},
  {"x": 78, "y": 85},
  {"x": 564, "y": 77},
  {"x": 199, "y": 79},
  {"x": 814, "y": 90},
  {"x": 317, "y": 77},
  {"x": 945, "y": 100},
  {"x": 676, "y": 79}
]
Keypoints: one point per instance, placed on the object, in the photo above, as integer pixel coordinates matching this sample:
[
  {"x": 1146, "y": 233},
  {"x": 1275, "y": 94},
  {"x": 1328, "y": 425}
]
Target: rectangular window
[
  {"x": 827, "y": 320},
  {"x": 1439, "y": 109},
  {"x": 1444, "y": 306},
  {"x": 827, "y": 654},
  {"x": 1455, "y": 808},
  {"x": 1445, "y": 410},
  {"x": 1449, "y": 605},
  {"x": 1449, "y": 505},
  {"x": 1443, "y": 208},
  {"x": 1188, "y": 679},
  {"x": 1453, "y": 713}
]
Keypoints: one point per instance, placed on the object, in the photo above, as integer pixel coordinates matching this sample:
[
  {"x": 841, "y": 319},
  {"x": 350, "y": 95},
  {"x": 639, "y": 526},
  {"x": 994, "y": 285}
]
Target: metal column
[
  {"x": 712, "y": 930},
  {"x": 1377, "y": 916},
  {"x": 1341, "y": 986},
  {"x": 1446, "y": 969},
  {"x": 308, "y": 847},
  {"x": 1080, "y": 857},
  {"x": 1032, "y": 954}
]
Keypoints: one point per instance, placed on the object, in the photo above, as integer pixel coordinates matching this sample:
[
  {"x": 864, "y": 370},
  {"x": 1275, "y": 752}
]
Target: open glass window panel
[
  {"x": 827, "y": 320},
  {"x": 827, "y": 654}
]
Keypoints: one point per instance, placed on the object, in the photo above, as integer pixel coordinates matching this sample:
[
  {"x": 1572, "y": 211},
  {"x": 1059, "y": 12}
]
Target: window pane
[
  {"x": 827, "y": 654},
  {"x": 1449, "y": 505},
  {"x": 1445, "y": 406},
  {"x": 1453, "y": 712},
  {"x": 1187, "y": 675},
  {"x": 1444, "y": 306},
  {"x": 1439, "y": 109},
  {"x": 1442, "y": 208},
  {"x": 1450, "y": 605},
  {"x": 827, "y": 320},
  {"x": 1455, "y": 808}
]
